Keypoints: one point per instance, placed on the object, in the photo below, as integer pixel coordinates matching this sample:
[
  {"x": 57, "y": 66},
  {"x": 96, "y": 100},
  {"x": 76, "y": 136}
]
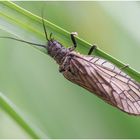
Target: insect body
[{"x": 95, "y": 74}]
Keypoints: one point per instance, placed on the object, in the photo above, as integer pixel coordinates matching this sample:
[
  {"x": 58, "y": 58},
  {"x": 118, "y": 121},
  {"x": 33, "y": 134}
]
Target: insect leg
[
  {"x": 124, "y": 67},
  {"x": 73, "y": 39},
  {"x": 92, "y": 49},
  {"x": 65, "y": 66}
]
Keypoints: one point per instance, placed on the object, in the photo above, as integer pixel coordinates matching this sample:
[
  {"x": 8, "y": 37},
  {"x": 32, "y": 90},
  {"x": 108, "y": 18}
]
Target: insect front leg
[{"x": 65, "y": 67}]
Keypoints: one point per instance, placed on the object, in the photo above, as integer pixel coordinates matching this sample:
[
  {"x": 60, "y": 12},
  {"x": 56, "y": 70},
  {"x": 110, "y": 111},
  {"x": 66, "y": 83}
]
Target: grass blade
[
  {"x": 14, "y": 112},
  {"x": 17, "y": 20}
]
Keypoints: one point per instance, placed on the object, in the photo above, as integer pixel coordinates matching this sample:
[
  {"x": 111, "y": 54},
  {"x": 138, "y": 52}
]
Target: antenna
[
  {"x": 23, "y": 41},
  {"x": 45, "y": 31}
]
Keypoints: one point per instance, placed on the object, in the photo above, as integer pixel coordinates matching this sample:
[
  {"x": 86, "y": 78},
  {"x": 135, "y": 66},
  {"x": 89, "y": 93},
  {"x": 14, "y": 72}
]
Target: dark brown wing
[{"x": 106, "y": 81}]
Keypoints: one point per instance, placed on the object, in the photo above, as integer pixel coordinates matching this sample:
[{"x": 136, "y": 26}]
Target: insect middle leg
[
  {"x": 73, "y": 39},
  {"x": 93, "y": 47}
]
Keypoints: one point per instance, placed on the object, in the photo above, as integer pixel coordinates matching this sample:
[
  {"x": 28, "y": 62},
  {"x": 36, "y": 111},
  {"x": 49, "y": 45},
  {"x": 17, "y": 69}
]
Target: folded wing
[{"x": 106, "y": 81}]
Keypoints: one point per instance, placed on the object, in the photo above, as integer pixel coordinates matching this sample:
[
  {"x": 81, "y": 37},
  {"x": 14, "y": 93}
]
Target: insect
[{"x": 94, "y": 74}]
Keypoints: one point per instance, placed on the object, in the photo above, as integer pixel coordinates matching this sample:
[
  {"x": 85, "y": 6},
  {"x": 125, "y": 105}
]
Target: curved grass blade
[{"x": 19, "y": 117}]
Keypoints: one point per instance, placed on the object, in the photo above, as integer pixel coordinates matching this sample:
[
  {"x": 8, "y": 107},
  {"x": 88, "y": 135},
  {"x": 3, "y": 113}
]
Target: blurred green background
[{"x": 56, "y": 106}]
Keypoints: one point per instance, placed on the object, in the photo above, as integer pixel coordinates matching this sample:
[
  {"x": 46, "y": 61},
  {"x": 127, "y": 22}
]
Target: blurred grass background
[{"x": 59, "y": 108}]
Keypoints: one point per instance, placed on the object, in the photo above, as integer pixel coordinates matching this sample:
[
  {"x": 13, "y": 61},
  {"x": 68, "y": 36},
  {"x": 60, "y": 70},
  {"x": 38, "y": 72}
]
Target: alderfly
[{"x": 94, "y": 74}]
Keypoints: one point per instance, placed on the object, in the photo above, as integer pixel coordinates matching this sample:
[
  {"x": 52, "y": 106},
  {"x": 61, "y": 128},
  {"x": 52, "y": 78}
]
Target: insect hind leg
[
  {"x": 124, "y": 67},
  {"x": 93, "y": 47}
]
